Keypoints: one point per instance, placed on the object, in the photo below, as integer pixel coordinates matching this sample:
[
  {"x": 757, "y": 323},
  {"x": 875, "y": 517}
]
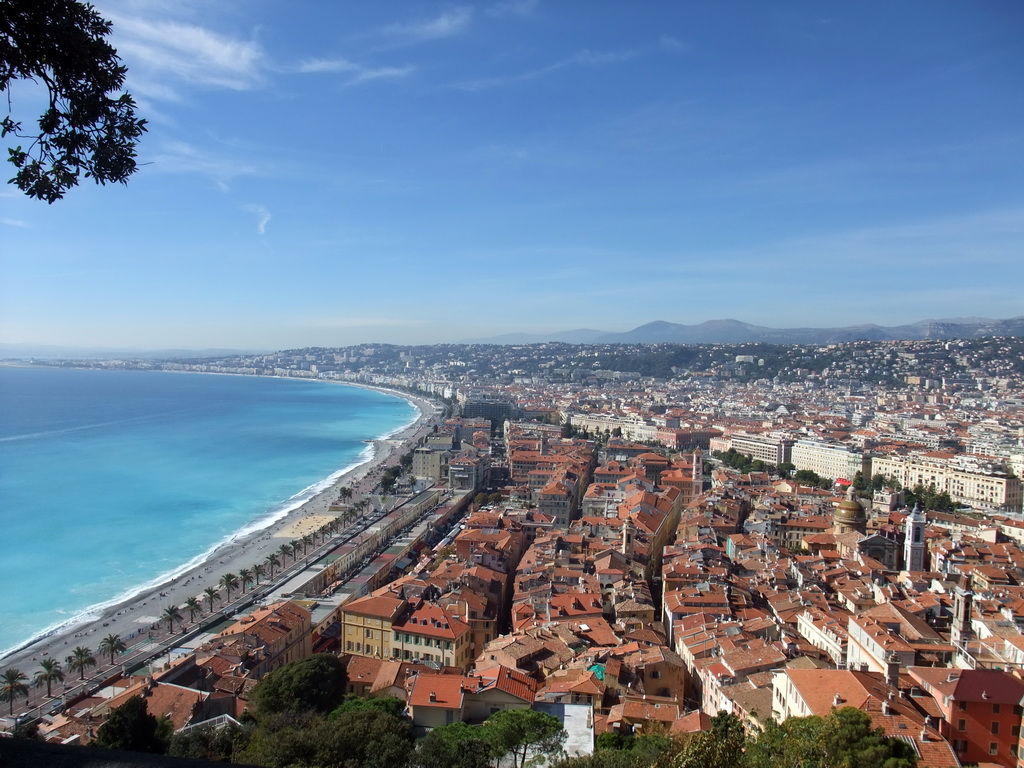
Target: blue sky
[{"x": 322, "y": 173}]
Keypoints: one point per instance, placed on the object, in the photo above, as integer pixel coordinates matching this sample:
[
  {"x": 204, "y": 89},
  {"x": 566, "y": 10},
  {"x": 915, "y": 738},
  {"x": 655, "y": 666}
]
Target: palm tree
[
  {"x": 348, "y": 516},
  {"x": 257, "y": 571},
  {"x": 284, "y": 550},
  {"x": 211, "y": 595},
  {"x": 13, "y": 687},
  {"x": 171, "y": 614},
  {"x": 229, "y": 581},
  {"x": 344, "y": 492},
  {"x": 305, "y": 541},
  {"x": 49, "y": 674},
  {"x": 193, "y": 606},
  {"x": 245, "y": 577},
  {"x": 112, "y": 645},
  {"x": 272, "y": 560},
  {"x": 80, "y": 660}
]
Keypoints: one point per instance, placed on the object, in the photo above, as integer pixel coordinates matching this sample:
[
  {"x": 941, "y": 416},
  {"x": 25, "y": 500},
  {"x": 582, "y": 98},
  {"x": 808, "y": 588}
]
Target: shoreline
[
  {"x": 135, "y": 615},
  {"x": 240, "y": 536}
]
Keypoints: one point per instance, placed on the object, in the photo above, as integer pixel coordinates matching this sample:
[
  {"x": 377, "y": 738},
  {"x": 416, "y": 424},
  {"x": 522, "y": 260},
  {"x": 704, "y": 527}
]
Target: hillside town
[{"x": 635, "y": 538}]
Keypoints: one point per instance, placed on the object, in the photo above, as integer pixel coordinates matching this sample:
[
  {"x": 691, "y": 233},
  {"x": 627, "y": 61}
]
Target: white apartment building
[
  {"x": 824, "y": 632},
  {"x": 985, "y": 491},
  {"x": 872, "y": 645},
  {"x": 635, "y": 429},
  {"x": 832, "y": 460},
  {"x": 773, "y": 448}
]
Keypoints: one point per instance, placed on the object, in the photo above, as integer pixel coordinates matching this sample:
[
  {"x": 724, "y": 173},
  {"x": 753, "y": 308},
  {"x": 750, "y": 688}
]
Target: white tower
[{"x": 914, "y": 548}]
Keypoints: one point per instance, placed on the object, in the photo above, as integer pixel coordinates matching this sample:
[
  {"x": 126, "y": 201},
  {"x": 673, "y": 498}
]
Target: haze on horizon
[{"x": 417, "y": 172}]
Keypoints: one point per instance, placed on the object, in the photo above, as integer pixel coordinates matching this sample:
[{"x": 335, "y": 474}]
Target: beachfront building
[
  {"x": 484, "y": 405},
  {"x": 271, "y": 637},
  {"x": 431, "y": 463}
]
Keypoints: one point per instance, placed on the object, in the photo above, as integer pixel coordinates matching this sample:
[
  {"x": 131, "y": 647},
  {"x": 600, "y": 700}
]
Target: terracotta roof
[
  {"x": 508, "y": 681},
  {"x": 379, "y": 606},
  {"x": 439, "y": 691}
]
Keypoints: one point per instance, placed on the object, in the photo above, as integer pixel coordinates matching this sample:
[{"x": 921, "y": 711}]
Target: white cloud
[
  {"x": 262, "y": 216},
  {"x": 587, "y": 58},
  {"x": 584, "y": 58},
  {"x": 163, "y": 55},
  {"x": 673, "y": 44},
  {"x": 357, "y": 72},
  {"x": 449, "y": 24},
  {"x": 327, "y": 65},
  {"x": 180, "y": 157},
  {"x": 15, "y": 223},
  {"x": 381, "y": 73}
]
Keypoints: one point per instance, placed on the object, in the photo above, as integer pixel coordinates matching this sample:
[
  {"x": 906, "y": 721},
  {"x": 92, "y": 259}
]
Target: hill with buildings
[{"x": 730, "y": 331}]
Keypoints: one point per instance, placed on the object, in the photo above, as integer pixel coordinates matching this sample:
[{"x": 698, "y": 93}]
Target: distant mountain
[{"x": 736, "y": 332}]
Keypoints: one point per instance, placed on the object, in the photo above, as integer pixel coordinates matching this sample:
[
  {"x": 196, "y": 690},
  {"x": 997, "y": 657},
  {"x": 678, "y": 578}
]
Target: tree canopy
[
  {"x": 88, "y": 128},
  {"x": 367, "y": 739},
  {"x": 208, "y": 743},
  {"x": 316, "y": 683},
  {"x": 454, "y": 746},
  {"x": 131, "y": 727},
  {"x": 352, "y": 703},
  {"x": 929, "y": 498},
  {"x": 843, "y": 739},
  {"x": 520, "y": 732}
]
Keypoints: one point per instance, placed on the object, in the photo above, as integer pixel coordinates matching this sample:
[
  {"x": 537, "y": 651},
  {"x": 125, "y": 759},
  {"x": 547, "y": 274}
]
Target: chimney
[
  {"x": 892, "y": 670},
  {"x": 433, "y": 696}
]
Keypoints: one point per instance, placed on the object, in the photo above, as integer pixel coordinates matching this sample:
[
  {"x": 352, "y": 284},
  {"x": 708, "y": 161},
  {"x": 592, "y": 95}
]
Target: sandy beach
[{"x": 138, "y": 622}]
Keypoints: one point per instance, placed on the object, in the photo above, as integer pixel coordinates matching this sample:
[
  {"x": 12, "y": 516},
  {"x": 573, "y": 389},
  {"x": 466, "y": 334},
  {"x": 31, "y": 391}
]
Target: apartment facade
[
  {"x": 827, "y": 459},
  {"x": 986, "y": 491}
]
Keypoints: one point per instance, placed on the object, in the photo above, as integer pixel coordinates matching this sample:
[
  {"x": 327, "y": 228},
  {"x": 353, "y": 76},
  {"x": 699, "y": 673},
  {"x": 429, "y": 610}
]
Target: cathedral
[{"x": 849, "y": 516}]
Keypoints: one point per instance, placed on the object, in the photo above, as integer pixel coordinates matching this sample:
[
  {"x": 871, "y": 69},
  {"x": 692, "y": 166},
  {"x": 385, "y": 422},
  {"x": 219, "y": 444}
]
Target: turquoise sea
[{"x": 114, "y": 480}]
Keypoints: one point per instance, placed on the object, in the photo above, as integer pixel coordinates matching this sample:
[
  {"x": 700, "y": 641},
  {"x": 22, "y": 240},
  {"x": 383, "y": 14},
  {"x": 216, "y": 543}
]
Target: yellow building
[
  {"x": 366, "y": 624},
  {"x": 387, "y": 626}
]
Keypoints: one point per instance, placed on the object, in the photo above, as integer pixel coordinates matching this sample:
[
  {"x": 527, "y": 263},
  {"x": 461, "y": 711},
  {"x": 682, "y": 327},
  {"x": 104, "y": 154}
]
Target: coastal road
[{"x": 160, "y": 641}]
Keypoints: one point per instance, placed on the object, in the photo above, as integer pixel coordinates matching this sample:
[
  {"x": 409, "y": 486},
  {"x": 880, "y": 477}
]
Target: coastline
[{"x": 135, "y": 616}]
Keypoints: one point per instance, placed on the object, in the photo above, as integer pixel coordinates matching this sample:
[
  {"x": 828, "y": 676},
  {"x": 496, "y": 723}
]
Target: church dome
[
  {"x": 849, "y": 509},
  {"x": 850, "y": 515}
]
